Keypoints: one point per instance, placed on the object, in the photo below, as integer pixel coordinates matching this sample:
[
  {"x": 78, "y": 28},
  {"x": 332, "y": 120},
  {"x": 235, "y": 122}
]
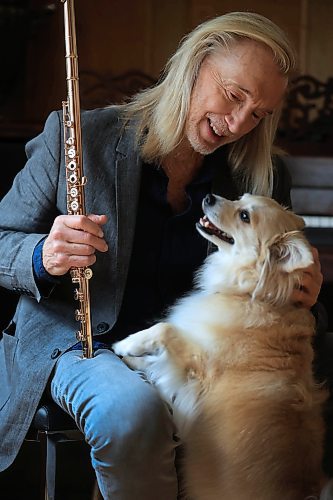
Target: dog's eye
[{"x": 244, "y": 216}]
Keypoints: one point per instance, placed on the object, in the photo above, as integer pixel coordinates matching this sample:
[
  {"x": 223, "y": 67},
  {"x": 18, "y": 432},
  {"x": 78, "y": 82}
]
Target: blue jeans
[{"x": 127, "y": 425}]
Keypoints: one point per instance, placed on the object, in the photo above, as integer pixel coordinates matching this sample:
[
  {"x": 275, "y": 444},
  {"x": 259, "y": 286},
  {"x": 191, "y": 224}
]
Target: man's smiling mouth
[
  {"x": 218, "y": 128},
  {"x": 215, "y": 129}
]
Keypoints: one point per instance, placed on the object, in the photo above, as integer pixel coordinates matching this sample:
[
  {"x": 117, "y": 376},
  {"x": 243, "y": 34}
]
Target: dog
[{"x": 233, "y": 359}]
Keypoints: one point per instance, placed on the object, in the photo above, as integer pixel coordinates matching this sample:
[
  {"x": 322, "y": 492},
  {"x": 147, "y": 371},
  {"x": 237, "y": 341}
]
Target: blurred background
[
  {"x": 119, "y": 36},
  {"x": 123, "y": 46}
]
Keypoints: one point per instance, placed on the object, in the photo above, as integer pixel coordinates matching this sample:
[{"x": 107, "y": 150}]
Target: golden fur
[{"x": 234, "y": 360}]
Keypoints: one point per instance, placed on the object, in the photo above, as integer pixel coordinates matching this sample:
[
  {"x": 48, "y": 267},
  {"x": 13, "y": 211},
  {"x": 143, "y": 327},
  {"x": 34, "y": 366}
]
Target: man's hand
[
  {"x": 72, "y": 242},
  {"x": 312, "y": 280}
]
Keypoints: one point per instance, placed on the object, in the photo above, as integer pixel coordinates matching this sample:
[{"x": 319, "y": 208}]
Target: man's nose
[{"x": 239, "y": 122}]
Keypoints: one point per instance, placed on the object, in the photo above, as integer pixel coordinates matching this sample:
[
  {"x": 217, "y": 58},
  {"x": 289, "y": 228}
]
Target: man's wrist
[{"x": 41, "y": 274}]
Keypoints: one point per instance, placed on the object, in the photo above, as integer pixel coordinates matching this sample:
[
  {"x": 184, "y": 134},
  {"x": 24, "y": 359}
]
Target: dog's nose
[{"x": 209, "y": 199}]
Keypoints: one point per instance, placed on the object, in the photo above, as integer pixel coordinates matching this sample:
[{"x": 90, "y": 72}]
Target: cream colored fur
[{"x": 234, "y": 360}]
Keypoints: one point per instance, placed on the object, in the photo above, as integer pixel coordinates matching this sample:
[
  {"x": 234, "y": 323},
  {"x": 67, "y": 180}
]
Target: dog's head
[{"x": 262, "y": 247}]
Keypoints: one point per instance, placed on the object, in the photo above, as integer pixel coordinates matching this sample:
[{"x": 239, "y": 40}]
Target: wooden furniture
[
  {"x": 306, "y": 124},
  {"x": 312, "y": 197},
  {"x": 306, "y": 133}
]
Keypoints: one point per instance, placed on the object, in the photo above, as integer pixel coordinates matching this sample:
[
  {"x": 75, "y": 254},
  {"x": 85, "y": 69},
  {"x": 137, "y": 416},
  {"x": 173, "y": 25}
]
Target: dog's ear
[{"x": 290, "y": 251}]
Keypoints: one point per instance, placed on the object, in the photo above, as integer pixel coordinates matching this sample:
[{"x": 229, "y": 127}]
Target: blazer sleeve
[{"x": 28, "y": 210}]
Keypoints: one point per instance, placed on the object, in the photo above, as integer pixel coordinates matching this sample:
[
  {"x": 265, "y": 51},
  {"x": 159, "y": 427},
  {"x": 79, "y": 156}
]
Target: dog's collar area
[{"x": 208, "y": 227}]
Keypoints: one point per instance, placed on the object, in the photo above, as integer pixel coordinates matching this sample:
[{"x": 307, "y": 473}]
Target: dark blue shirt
[{"x": 167, "y": 251}]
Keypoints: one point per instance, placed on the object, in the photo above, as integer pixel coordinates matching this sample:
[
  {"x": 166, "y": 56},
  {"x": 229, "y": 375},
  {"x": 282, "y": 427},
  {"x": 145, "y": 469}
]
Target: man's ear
[{"x": 290, "y": 251}]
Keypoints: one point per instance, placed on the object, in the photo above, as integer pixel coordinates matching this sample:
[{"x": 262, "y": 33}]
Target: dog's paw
[
  {"x": 127, "y": 347},
  {"x": 146, "y": 342},
  {"x": 137, "y": 344}
]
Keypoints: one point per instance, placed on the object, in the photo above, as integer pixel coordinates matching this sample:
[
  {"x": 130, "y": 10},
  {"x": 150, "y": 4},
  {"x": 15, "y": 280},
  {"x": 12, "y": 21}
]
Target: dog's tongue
[
  {"x": 204, "y": 221},
  {"x": 207, "y": 224}
]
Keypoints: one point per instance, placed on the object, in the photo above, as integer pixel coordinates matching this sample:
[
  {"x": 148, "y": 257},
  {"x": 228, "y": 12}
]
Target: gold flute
[{"x": 75, "y": 179}]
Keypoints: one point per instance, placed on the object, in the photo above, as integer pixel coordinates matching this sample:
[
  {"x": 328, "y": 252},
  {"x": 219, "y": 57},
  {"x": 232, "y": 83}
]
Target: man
[{"x": 209, "y": 124}]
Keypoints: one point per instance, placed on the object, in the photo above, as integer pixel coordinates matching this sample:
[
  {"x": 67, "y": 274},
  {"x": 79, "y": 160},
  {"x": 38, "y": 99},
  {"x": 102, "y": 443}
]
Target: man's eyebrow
[
  {"x": 243, "y": 89},
  {"x": 246, "y": 91}
]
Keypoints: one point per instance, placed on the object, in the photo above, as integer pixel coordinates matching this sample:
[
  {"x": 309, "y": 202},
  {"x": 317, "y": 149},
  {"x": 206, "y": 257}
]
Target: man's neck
[{"x": 181, "y": 166}]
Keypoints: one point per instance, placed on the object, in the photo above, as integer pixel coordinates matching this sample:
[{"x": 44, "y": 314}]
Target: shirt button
[
  {"x": 102, "y": 327},
  {"x": 55, "y": 353}
]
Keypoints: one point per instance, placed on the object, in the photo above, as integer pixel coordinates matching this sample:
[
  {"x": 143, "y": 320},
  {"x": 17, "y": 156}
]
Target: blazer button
[
  {"x": 102, "y": 327},
  {"x": 55, "y": 353}
]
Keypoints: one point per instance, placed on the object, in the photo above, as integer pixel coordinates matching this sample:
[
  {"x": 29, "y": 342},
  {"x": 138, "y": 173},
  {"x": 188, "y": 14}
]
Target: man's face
[{"x": 234, "y": 91}]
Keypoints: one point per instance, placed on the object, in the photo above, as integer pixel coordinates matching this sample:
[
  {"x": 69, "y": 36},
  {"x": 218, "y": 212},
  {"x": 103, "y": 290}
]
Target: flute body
[{"x": 75, "y": 180}]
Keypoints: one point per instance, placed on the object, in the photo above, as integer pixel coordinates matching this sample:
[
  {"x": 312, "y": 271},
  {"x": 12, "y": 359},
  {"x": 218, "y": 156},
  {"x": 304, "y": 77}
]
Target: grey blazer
[{"x": 44, "y": 327}]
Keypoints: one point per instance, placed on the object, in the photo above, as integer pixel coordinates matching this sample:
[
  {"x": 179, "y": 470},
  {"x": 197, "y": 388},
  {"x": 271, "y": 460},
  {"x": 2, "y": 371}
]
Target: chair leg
[
  {"x": 51, "y": 466},
  {"x": 48, "y": 443},
  {"x": 43, "y": 455}
]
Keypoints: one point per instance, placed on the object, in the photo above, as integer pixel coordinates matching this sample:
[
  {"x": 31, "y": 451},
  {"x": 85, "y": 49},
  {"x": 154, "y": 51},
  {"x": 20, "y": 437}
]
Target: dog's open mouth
[{"x": 208, "y": 227}]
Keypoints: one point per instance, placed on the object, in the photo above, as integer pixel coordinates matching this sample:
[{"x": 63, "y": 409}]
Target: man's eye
[
  {"x": 234, "y": 97},
  {"x": 244, "y": 216}
]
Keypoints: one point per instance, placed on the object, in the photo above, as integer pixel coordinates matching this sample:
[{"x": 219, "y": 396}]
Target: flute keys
[
  {"x": 72, "y": 165},
  {"x": 80, "y": 273},
  {"x": 72, "y": 178},
  {"x": 78, "y": 295},
  {"x": 79, "y": 316},
  {"x": 80, "y": 336},
  {"x": 75, "y": 275},
  {"x": 71, "y": 152},
  {"x": 88, "y": 273},
  {"x": 74, "y": 206}
]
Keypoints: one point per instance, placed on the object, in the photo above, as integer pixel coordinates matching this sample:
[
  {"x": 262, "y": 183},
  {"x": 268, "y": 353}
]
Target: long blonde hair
[{"x": 161, "y": 110}]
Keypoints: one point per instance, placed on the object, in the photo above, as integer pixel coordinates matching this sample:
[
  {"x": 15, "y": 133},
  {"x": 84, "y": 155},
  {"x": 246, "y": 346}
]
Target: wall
[{"x": 117, "y": 35}]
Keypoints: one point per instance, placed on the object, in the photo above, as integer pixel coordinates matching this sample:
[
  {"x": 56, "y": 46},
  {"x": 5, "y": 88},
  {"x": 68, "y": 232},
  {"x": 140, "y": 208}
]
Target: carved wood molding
[
  {"x": 308, "y": 114},
  {"x": 306, "y": 125},
  {"x": 101, "y": 90}
]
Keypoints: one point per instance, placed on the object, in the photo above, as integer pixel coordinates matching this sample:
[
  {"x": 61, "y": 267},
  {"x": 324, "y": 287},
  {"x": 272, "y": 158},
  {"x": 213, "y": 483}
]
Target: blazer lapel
[{"x": 128, "y": 176}]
